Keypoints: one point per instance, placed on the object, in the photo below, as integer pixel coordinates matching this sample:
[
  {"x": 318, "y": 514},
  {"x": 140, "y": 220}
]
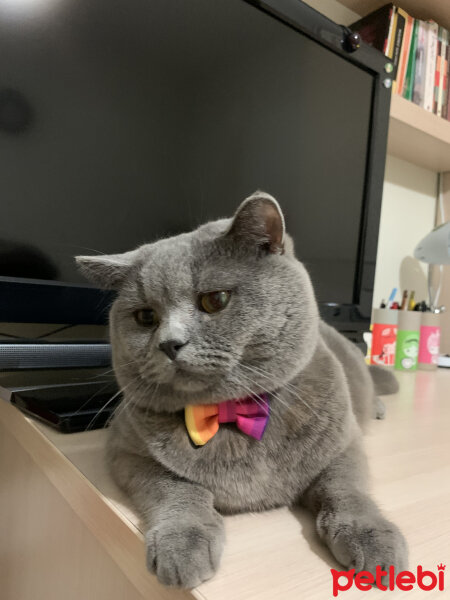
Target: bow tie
[{"x": 250, "y": 414}]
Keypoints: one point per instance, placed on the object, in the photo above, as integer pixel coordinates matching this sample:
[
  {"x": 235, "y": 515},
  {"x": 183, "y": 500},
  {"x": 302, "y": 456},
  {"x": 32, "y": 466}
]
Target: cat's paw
[
  {"x": 362, "y": 543},
  {"x": 185, "y": 552}
]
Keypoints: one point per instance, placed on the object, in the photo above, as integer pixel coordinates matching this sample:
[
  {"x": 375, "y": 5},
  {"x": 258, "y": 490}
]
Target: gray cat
[{"x": 227, "y": 312}]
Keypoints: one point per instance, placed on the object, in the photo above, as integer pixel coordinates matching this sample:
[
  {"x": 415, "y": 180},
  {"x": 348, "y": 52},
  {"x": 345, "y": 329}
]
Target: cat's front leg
[
  {"x": 349, "y": 521},
  {"x": 184, "y": 533}
]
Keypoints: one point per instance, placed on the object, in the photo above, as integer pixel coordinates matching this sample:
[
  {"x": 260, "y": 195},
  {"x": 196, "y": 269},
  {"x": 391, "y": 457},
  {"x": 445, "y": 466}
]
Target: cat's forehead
[
  {"x": 172, "y": 268},
  {"x": 166, "y": 267},
  {"x": 185, "y": 246}
]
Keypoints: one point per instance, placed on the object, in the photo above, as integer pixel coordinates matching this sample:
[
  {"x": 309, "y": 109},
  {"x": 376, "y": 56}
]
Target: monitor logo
[{"x": 388, "y": 579}]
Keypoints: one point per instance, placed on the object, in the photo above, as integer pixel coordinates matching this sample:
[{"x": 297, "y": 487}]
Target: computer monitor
[{"x": 123, "y": 122}]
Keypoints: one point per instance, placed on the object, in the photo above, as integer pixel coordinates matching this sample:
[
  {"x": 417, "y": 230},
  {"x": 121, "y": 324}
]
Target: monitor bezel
[{"x": 38, "y": 301}]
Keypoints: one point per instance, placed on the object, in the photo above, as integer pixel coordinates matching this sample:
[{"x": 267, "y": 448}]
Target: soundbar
[{"x": 53, "y": 356}]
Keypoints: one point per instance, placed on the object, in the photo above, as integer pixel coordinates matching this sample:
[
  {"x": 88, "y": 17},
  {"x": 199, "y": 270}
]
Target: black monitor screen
[{"x": 121, "y": 122}]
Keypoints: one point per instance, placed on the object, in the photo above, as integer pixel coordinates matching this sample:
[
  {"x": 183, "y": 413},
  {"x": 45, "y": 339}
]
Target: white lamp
[{"x": 435, "y": 247}]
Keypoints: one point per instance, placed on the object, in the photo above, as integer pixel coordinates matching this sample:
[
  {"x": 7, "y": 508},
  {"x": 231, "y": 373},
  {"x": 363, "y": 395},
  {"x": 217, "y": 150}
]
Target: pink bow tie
[{"x": 250, "y": 414}]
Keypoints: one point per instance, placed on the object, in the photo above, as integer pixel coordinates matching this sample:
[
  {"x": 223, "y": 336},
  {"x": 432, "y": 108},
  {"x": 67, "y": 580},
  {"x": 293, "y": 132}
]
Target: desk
[{"x": 67, "y": 533}]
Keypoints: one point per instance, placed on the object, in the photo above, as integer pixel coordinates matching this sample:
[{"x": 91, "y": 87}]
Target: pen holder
[
  {"x": 408, "y": 334},
  {"x": 384, "y": 335},
  {"x": 430, "y": 333}
]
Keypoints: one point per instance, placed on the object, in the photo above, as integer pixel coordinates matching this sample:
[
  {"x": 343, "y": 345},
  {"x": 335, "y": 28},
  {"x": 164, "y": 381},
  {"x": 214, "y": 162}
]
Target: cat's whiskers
[
  {"x": 106, "y": 405},
  {"x": 118, "y": 410},
  {"x": 254, "y": 395},
  {"x": 126, "y": 402},
  {"x": 155, "y": 391},
  {"x": 111, "y": 370},
  {"x": 151, "y": 388},
  {"x": 270, "y": 392},
  {"x": 280, "y": 384},
  {"x": 143, "y": 388},
  {"x": 274, "y": 380},
  {"x": 86, "y": 402}
]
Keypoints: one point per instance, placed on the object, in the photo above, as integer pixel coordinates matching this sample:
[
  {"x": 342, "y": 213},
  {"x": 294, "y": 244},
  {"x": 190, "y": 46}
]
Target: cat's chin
[{"x": 188, "y": 385}]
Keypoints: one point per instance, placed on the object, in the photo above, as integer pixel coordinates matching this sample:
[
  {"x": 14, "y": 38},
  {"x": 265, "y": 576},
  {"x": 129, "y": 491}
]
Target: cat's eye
[
  {"x": 145, "y": 317},
  {"x": 212, "y": 302}
]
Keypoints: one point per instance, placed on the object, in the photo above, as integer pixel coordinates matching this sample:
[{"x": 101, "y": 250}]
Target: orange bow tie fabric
[{"x": 250, "y": 414}]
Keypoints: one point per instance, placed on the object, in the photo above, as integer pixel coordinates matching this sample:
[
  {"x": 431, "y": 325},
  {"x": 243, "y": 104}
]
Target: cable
[
  {"x": 38, "y": 337},
  {"x": 440, "y": 197},
  {"x": 44, "y": 335}
]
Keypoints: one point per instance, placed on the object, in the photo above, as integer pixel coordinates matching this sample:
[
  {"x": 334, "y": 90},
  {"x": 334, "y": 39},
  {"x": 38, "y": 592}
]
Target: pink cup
[{"x": 430, "y": 333}]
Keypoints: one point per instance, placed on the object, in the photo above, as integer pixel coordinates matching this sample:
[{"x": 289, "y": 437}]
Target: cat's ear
[
  {"x": 259, "y": 221},
  {"x": 107, "y": 270}
]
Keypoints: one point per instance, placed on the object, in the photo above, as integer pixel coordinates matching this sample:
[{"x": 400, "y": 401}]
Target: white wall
[{"x": 407, "y": 215}]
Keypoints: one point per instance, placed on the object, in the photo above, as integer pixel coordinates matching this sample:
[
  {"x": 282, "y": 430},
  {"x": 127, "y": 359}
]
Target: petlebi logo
[{"x": 403, "y": 580}]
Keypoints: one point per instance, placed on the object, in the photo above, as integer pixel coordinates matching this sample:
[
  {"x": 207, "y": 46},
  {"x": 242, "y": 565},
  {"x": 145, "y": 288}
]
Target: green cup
[{"x": 408, "y": 335}]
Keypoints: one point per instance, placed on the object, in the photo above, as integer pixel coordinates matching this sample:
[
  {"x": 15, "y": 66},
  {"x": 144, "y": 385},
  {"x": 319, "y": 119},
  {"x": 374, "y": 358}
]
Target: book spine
[
  {"x": 391, "y": 36},
  {"x": 411, "y": 68},
  {"x": 448, "y": 90},
  {"x": 404, "y": 54},
  {"x": 387, "y": 38},
  {"x": 421, "y": 59},
  {"x": 431, "y": 66},
  {"x": 437, "y": 71},
  {"x": 442, "y": 71},
  {"x": 397, "y": 47},
  {"x": 446, "y": 76}
]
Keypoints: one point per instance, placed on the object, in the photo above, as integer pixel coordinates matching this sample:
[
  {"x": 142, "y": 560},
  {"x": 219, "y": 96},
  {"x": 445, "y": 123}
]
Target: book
[
  {"x": 437, "y": 71},
  {"x": 398, "y": 29},
  {"x": 406, "y": 44},
  {"x": 448, "y": 90},
  {"x": 418, "y": 95},
  {"x": 408, "y": 85},
  {"x": 392, "y": 33},
  {"x": 430, "y": 65},
  {"x": 391, "y": 36},
  {"x": 446, "y": 80},
  {"x": 442, "y": 71},
  {"x": 392, "y": 25}
]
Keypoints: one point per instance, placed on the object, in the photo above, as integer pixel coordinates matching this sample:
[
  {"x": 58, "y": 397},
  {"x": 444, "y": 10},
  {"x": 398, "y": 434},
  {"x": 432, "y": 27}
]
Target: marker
[
  {"x": 391, "y": 297},
  {"x": 404, "y": 305}
]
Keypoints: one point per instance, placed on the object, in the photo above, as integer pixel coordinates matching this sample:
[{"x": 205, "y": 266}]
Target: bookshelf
[
  {"x": 415, "y": 135},
  {"x": 418, "y": 136},
  {"x": 438, "y": 10}
]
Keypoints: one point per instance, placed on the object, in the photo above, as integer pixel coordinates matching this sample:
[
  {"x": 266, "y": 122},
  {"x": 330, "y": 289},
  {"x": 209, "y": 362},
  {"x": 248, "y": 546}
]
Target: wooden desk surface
[{"x": 277, "y": 554}]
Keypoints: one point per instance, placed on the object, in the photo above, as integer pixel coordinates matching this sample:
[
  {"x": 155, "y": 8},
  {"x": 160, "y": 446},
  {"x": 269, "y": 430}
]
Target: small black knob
[{"x": 352, "y": 41}]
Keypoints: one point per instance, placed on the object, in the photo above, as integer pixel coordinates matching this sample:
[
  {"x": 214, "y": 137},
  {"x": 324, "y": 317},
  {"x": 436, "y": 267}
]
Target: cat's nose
[{"x": 171, "y": 348}]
